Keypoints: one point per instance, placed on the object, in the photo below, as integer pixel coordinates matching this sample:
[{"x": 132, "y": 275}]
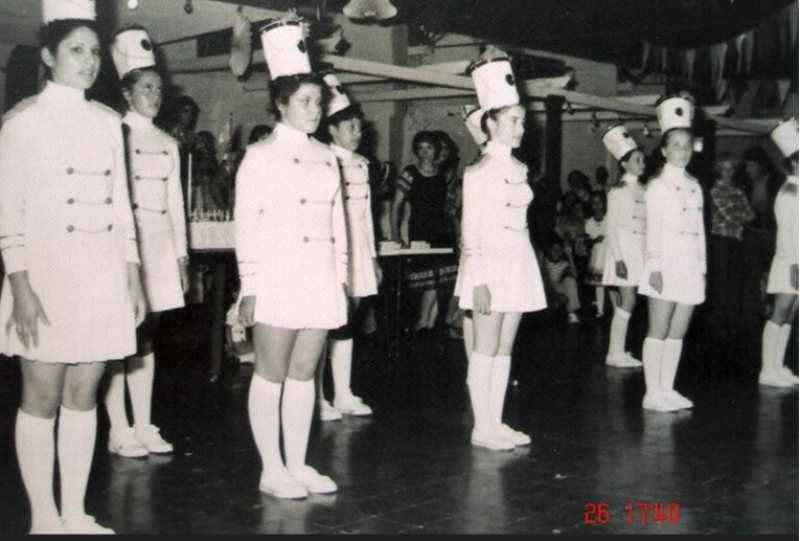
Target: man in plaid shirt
[{"x": 730, "y": 211}]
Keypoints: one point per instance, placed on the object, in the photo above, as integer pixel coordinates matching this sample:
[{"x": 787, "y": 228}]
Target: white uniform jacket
[
  {"x": 676, "y": 237},
  {"x": 65, "y": 218},
  {"x": 786, "y": 245},
  {"x": 626, "y": 230},
  {"x": 291, "y": 238},
  {"x": 155, "y": 181},
  {"x": 362, "y": 278},
  {"x": 496, "y": 242}
]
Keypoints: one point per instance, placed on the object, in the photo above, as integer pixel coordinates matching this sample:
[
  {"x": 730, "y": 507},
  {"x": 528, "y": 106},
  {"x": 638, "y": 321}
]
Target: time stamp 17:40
[{"x": 599, "y": 513}]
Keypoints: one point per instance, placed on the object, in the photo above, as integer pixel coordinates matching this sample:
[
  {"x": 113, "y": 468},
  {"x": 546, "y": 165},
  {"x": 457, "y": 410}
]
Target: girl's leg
[
  {"x": 342, "y": 361},
  {"x": 501, "y": 369},
  {"x": 775, "y": 341},
  {"x": 488, "y": 331},
  {"x": 570, "y": 289},
  {"x": 298, "y": 410},
  {"x": 469, "y": 334},
  {"x": 600, "y": 300},
  {"x": 426, "y": 306},
  {"x": 673, "y": 347},
  {"x": 77, "y": 433},
  {"x": 273, "y": 349},
  {"x": 660, "y": 316},
  {"x": 619, "y": 331},
  {"x": 42, "y": 386}
]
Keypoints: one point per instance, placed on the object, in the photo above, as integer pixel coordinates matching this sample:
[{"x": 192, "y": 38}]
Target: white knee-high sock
[
  {"x": 501, "y": 368},
  {"x": 77, "y": 432},
  {"x": 264, "y": 408},
  {"x": 619, "y": 332},
  {"x": 780, "y": 346},
  {"x": 342, "y": 365},
  {"x": 35, "y": 441},
  {"x": 670, "y": 359},
  {"x": 469, "y": 336},
  {"x": 651, "y": 358},
  {"x": 479, "y": 376},
  {"x": 296, "y": 414},
  {"x": 769, "y": 344},
  {"x": 115, "y": 396},
  {"x": 600, "y": 299},
  {"x": 141, "y": 372}
]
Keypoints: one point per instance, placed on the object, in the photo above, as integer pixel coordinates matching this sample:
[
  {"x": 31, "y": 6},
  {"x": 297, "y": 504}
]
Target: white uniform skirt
[
  {"x": 683, "y": 282},
  {"x": 82, "y": 284},
  {"x": 160, "y": 270},
  {"x": 298, "y": 288},
  {"x": 361, "y": 278},
  {"x": 780, "y": 277},
  {"x": 514, "y": 281},
  {"x": 634, "y": 262}
]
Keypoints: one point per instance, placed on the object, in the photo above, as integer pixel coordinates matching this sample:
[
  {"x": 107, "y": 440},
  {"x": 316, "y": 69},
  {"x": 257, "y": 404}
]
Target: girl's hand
[
  {"x": 27, "y": 311},
  {"x": 378, "y": 273},
  {"x": 482, "y": 300},
  {"x": 657, "y": 281},
  {"x": 183, "y": 267},
  {"x": 622, "y": 270},
  {"x": 136, "y": 291},
  {"x": 247, "y": 311}
]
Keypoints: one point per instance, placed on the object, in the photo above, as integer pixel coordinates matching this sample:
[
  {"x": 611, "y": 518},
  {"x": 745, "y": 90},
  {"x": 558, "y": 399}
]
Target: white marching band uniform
[
  {"x": 154, "y": 166},
  {"x": 65, "y": 218},
  {"x": 786, "y": 245},
  {"x": 626, "y": 230}
]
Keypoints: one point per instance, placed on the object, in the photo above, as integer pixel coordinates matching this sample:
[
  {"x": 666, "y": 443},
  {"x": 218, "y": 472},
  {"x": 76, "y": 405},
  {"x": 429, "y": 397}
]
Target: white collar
[
  {"x": 499, "y": 150},
  {"x": 63, "y": 96},
  {"x": 284, "y": 131},
  {"x": 630, "y": 180},
  {"x": 343, "y": 153},
  {"x": 670, "y": 172},
  {"x": 136, "y": 120}
]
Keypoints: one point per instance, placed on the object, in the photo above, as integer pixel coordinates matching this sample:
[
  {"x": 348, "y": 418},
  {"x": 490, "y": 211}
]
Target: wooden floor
[{"x": 728, "y": 466}]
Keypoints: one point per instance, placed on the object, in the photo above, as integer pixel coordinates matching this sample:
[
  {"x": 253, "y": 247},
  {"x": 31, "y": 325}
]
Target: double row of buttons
[
  {"x": 297, "y": 161},
  {"x": 323, "y": 239},
  {"x": 145, "y": 209},
  {"x": 72, "y": 229},
  {"x": 152, "y": 152},
  {"x": 106, "y": 201},
  {"x": 307, "y": 202},
  {"x": 73, "y": 171}
]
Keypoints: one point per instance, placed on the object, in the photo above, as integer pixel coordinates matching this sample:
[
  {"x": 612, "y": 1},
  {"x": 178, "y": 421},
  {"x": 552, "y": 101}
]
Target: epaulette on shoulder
[
  {"x": 19, "y": 109},
  {"x": 479, "y": 162},
  {"x": 263, "y": 142},
  {"x": 106, "y": 109}
]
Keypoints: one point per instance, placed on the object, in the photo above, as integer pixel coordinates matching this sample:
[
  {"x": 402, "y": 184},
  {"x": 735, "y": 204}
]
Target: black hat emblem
[
  {"x": 679, "y": 111},
  {"x": 626, "y": 135},
  {"x": 339, "y": 89},
  {"x": 510, "y": 79},
  {"x": 302, "y": 46},
  {"x": 146, "y": 45}
]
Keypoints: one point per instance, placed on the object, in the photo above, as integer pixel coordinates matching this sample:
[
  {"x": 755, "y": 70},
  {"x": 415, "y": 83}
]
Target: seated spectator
[{"x": 561, "y": 277}]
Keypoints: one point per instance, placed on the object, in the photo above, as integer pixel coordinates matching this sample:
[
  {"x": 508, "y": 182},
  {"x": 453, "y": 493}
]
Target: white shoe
[
  {"x": 281, "y": 485},
  {"x": 621, "y": 360},
  {"x": 352, "y": 405},
  {"x": 788, "y": 375},
  {"x": 56, "y": 528},
  {"x": 85, "y": 525},
  {"x": 312, "y": 481},
  {"x": 633, "y": 360},
  {"x": 658, "y": 402},
  {"x": 514, "y": 436},
  {"x": 328, "y": 412},
  {"x": 126, "y": 443},
  {"x": 494, "y": 441},
  {"x": 573, "y": 318},
  {"x": 679, "y": 400},
  {"x": 152, "y": 440},
  {"x": 774, "y": 379}
]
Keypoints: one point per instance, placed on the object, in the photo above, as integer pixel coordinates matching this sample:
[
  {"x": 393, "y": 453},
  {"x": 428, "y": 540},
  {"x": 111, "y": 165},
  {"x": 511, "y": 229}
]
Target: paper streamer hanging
[{"x": 242, "y": 45}]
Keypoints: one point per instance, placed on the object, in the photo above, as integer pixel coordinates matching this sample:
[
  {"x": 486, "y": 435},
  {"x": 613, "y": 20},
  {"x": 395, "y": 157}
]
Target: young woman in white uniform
[
  {"x": 500, "y": 278},
  {"x": 155, "y": 184},
  {"x": 291, "y": 246},
  {"x": 626, "y": 227},
  {"x": 72, "y": 296},
  {"x": 674, "y": 275},
  {"x": 344, "y": 123},
  {"x": 783, "y": 274}
]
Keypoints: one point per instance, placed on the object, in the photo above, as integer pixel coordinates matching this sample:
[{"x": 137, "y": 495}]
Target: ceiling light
[{"x": 370, "y": 9}]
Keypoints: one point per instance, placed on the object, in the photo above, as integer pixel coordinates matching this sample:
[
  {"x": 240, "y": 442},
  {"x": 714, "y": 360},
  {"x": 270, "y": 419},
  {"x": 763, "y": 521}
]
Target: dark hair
[
  {"x": 758, "y": 156},
  {"x": 446, "y": 141},
  {"x": 258, "y": 131},
  {"x": 54, "y": 32},
  {"x": 132, "y": 77},
  {"x": 579, "y": 177},
  {"x": 426, "y": 137},
  {"x": 602, "y": 172},
  {"x": 283, "y": 88},
  {"x": 348, "y": 113}
]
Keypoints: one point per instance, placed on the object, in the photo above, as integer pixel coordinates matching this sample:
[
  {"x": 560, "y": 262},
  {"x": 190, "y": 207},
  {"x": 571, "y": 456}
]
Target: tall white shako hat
[
  {"x": 339, "y": 100},
  {"x": 132, "y": 50},
  {"x": 494, "y": 80},
  {"x": 675, "y": 112},
  {"x": 59, "y": 10},
  {"x": 619, "y": 141},
  {"x": 785, "y": 137},
  {"x": 285, "y": 47},
  {"x": 472, "y": 116}
]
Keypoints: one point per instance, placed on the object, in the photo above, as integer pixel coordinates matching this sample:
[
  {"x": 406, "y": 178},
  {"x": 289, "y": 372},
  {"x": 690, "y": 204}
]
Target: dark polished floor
[{"x": 731, "y": 464}]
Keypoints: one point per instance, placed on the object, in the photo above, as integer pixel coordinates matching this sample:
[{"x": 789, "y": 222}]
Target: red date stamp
[{"x": 600, "y": 513}]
